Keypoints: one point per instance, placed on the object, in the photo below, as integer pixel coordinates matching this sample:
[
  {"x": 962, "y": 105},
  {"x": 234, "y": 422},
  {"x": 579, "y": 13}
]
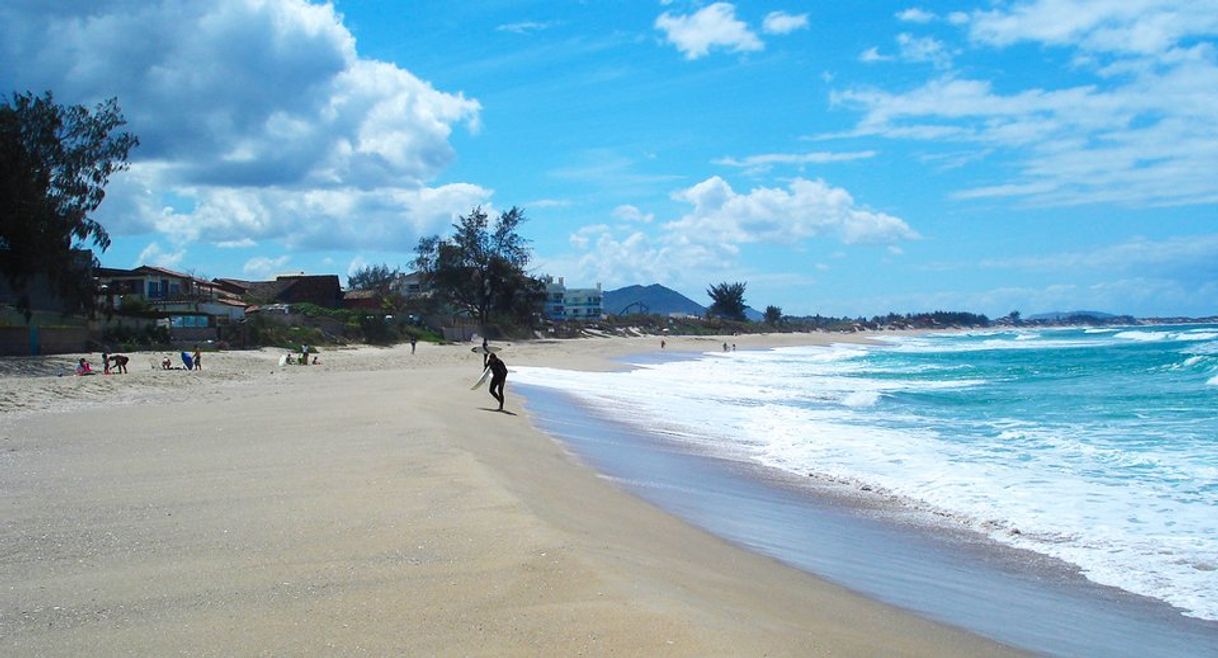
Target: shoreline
[
  {"x": 370, "y": 503},
  {"x": 875, "y": 547}
]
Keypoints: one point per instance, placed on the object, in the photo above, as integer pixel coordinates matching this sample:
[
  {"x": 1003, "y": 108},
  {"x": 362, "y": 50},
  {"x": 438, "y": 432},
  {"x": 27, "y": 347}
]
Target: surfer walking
[
  {"x": 498, "y": 377},
  {"x": 486, "y": 350}
]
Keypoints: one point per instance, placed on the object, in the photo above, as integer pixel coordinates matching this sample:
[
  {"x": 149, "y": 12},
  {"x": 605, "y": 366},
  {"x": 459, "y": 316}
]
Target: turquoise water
[{"x": 1098, "y": 447}]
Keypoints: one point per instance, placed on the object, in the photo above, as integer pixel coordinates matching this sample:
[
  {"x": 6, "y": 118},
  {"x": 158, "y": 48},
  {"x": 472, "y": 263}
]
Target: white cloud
[
  {"x": 1114, "y": 26},
  {"x": 872, "y": 54},
  {"x": 924, "y": 49},
  {"x": 808, "y": 208},
  {"x": 631, "y": 213},
  {"x": 154, "y": 254},
  {"x": 261, "y": 268},
  {"x": 764, "y": 162},
  {"x": 780, "y": 22},
  {"x": 261, "y": 112},
  {"x": 525, "y": 27},
  {"x": 915, "y": 15},
  {"x": 243, "y": 243},
  {"x": 1197, "y": 253},
  {"x": 1146, "y": 138},
  {"x": 713, "y": 26},
  {"x": 705, "y": 243}
]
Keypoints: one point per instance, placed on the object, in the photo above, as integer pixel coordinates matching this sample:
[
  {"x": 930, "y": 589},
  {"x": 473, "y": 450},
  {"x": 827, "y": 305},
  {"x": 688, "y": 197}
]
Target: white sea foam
[{"x": 1141, "y": 519}]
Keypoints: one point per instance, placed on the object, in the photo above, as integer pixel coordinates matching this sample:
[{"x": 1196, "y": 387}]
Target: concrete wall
[{"x": 30, "y": 341}]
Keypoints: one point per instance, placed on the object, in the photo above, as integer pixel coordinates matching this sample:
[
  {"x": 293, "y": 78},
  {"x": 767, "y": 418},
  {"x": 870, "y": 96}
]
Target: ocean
[{"x": 1095, "y": 449}]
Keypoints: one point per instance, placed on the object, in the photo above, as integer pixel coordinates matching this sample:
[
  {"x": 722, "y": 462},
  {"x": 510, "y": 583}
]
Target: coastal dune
[{"x": 372, "y": 504}]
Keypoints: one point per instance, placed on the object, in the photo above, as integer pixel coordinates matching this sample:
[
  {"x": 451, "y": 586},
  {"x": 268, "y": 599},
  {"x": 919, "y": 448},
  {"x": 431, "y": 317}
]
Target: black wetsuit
[{"x": 498, "y": 377}]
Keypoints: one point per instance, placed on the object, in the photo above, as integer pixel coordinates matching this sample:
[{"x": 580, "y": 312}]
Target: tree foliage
[
  {"x": 373, "y": 277},
  {"x": 727, "y": 301},
  {"x": 773, "y": 315},
  {"x": 481, "y": 268},
  {"x": 55, "y": 162}
]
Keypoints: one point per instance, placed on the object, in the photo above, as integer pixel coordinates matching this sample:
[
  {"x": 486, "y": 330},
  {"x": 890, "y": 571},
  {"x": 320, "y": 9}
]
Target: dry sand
[{"x": 371, "y": 504}]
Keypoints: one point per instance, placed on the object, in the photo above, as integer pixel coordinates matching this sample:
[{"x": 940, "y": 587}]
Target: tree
[
  {"x": 728, "y": 301},
  {"x": 55, "y": 162},
  {"x": 773, "y": 315},
  {"x": 481, "y": 269},
  {"x": 373, "y": 277}
]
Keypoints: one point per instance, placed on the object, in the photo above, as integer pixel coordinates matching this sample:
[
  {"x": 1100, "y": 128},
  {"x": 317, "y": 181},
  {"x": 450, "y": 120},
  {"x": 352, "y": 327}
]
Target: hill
[{"x": 655, "y": 298}]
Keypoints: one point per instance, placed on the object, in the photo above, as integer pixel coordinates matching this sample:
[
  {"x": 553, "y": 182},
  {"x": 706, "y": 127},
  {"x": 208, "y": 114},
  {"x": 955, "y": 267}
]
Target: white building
[{"x": 563, "y": 303}]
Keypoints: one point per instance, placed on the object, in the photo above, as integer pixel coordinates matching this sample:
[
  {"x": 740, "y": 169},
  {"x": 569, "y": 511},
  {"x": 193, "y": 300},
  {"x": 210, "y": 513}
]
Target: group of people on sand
[
  {"x": 111, "y": 363},
  {"x": 190, "y": 361}
]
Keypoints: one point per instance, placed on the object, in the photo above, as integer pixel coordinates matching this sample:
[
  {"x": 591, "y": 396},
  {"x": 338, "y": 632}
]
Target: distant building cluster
[{"x": 563, "y": 303}]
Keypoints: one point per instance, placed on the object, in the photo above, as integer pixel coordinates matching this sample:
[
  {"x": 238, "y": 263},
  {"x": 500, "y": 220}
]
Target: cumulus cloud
[
  {"x": 780, "y": 22},
  {"x": 806, "y": 209},
  {"x": 631, "y": 213},
  {"x": 706, "y": 241},
  {"x": 258, "y": 119},
  {"x": 713, "y": 26}
]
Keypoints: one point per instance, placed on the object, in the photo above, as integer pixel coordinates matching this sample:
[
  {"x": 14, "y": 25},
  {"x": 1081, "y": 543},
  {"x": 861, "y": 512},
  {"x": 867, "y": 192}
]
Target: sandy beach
[{"x": 372, "y": 504}]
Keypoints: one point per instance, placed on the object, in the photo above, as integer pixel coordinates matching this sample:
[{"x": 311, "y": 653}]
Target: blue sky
[{"x": 840, "y": 157}]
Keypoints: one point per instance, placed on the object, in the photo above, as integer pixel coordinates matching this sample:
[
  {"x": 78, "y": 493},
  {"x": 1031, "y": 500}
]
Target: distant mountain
[
  {"x": 1058, "y": 316},
  {"x": 654, "y": 298}
]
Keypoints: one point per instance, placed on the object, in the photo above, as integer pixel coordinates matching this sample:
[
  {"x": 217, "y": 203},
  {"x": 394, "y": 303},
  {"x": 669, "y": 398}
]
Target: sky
[{"x": 841, "y": 158}]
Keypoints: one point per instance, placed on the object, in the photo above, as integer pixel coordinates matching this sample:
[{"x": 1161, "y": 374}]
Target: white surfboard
[
  {"x": 486, "y": 374},
  {"x": 477, "y": 349}
]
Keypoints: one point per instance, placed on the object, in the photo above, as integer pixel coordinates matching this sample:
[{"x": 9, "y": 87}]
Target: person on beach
[
  {"x": 498, "y": 377},
  {"x": 198, "y": 359},
  {"x": 414, "y": 340},
  {"x": 120, "y": 363},
  {"x": 105, "y": 363},
  {"x": 166, "y": 364},
  {"x": 83, "y": 367},
  {"x": 486, "y": 350}
]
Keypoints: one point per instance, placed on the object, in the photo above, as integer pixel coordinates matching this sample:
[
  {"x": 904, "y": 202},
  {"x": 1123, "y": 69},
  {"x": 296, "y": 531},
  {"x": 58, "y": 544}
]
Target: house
[
  {"x": 411, "y": 286},
  {"x": 190, "y": 300},
  {"x": 364, "y": 300},
  {"x": 193, "y": 309},
  {"x": 563, "y": 303},
  {"x": 320, "y": 289}
]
